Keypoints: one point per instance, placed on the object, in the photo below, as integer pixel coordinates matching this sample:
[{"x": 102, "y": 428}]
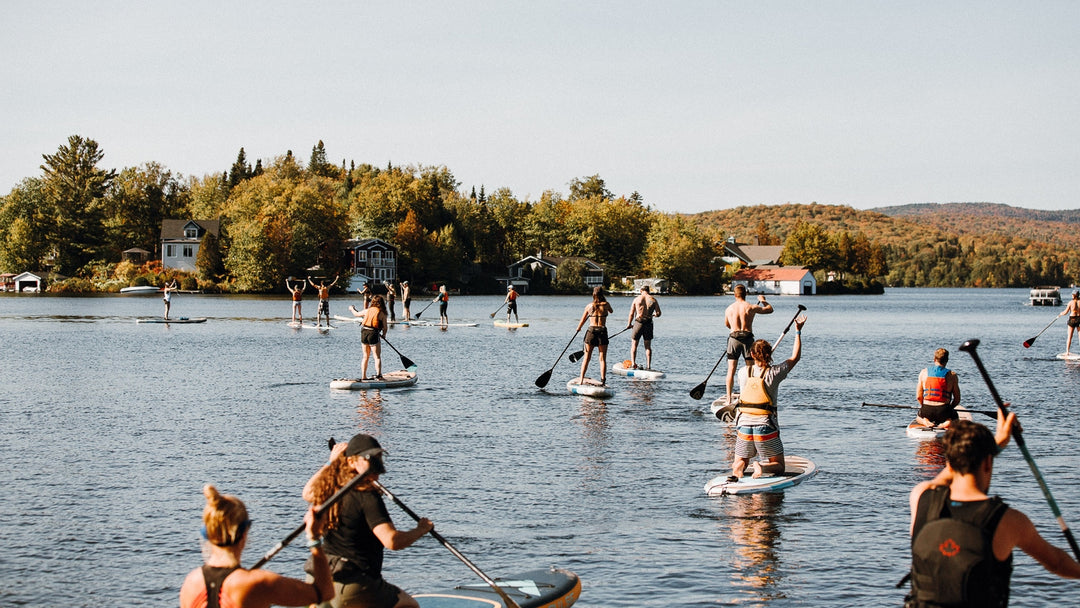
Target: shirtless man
[
  {"x": 739, "y": 318},
  {"x": 324, "y": 300},
  {"x": 406, "y": 299},
  {"x": 642, "y": 311},
  {"x": 297, "y": 293},
  {"x": 1073, "y": 310}
]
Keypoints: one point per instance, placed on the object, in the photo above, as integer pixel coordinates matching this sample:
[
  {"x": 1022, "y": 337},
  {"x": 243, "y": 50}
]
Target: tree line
[{"x": 281, "y": 217}]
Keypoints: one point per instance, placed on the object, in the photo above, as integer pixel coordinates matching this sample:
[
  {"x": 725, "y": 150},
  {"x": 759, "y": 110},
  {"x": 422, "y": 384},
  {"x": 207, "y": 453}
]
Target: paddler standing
[
  {"x": 166, "y": 296},
  {"x": 297, "y": 294},
  {"x": 961, "y": 538},
  {"x": 739, "y": 318},
  {"x": 938, "y": 393},
  {"x": 406, "y": 299},
  {"x": 373, "y": 326},
  {"x": 756, "y": 424},
  {"x": 359, "y": 527},
  {"x": 1073, "y": 310},
  {"x": 642, "y": 311},
  {"x": 391, "y": 295},
  {"x": 324, "y": 300},
  {"x": 443, "y": 299},
  {"x": 596, "y": 336},
  {"x": 511, "y": 303}
]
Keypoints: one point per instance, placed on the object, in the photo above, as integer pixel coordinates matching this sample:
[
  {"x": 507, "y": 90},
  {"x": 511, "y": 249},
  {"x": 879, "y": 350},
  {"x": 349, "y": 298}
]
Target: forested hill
[
  {"x": 958, "y": 244},
  {"x": 1048, "y": 226}
]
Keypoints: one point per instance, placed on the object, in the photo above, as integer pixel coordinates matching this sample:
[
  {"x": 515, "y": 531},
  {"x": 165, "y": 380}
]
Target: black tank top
[{"x": 214, "y": 577}]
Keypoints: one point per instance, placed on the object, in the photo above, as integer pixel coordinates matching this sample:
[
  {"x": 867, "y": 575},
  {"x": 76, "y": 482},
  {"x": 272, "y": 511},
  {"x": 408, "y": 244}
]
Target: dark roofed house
[
  {"x": 752, "y": 254},
  {"x": 534, "y": 265},
  {"x": 372, "y": 260},
  {"x": 180, "y": 240}
]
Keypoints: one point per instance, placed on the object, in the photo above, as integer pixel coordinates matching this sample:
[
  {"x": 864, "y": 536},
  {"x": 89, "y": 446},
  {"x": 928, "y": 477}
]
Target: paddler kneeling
[
  {"x": 756, "y": 425},
  {"x": 938, "y": 393}
]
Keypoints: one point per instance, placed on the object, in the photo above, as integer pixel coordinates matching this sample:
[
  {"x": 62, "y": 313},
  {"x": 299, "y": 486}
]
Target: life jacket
[
  {"x": 934, "y": 386},
  {"x": 511, "y": 296},
  {"x": 755, "y": 395},
  {"x": 952, "y": 558},
  {"x": 444, "y": 297},
  {"x": 296, "y": 296}
]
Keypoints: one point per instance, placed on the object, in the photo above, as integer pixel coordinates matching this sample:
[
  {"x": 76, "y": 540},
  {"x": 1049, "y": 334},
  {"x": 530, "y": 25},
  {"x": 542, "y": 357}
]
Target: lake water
[{"x": 110, "y": 429}]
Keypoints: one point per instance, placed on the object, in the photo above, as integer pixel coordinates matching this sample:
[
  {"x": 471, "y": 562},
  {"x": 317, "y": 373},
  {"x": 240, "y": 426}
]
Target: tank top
[
  {"x": 210, "y": 597},
  {"x": 952, "y": 552}
]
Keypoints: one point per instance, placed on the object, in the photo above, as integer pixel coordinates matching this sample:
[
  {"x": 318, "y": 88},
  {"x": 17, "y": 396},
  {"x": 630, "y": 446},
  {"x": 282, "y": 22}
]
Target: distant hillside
[{"x": 1053, "y": 227}]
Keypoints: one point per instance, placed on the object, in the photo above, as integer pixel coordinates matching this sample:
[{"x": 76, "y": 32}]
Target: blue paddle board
[
  {"x": 390, "y": 380},
  {"x": 796, "y": 470},
  {"x": 551, "y": 588}
]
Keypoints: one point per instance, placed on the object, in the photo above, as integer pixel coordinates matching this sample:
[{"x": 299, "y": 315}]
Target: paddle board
[
  {"x": 172, "y": 321},
  {"x": 510, "y": 325},
  {"x": 918, "y": 431},
  {"x": 551, "y": 588},
  {"x": 349, "y": 319},
  {"x": 140, "y": 290},
  {"x": 591, "y": 388},
  {"x": 796, "y": 470},
  {"x": 296, "y": 325},
  {"x": 1069, "y": 356},
  {"x": 723, "y": 411},
  {"x": 644, "y": 374},
  {"x": 390, "y": 380},
  {"x": 437, "y": 324}
]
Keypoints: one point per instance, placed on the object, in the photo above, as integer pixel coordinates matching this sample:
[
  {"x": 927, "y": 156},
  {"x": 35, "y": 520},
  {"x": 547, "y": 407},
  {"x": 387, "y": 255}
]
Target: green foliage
[
  {"x": 75, "y": 191},
  {"x": 23, "y": 227},
  {"x": 811, "y": 246},
  {"x": 570, "y": 277},
  {"x": 678, "y": 251},
  {"x": 208, "y": 261}
]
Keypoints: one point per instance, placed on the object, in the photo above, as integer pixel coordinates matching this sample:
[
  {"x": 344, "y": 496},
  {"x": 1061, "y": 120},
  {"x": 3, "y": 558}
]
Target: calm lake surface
[{"x": 110, "y": 429}]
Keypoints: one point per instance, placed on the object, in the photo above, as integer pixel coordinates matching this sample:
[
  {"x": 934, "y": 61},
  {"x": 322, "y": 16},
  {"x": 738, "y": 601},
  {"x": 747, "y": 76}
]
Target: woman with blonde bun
[{"x": 222, "y": 583}]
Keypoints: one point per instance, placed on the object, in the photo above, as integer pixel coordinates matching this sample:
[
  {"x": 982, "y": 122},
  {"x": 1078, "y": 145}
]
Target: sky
[{"x": 696, "y": 106}]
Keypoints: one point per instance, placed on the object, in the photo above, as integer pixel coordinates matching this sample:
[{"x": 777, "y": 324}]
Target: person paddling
[
  {"x": 297, "y": 294},
  {"x": 511, "y": 303},
  {"x": 373, "y": 326},
  {"x": 938, "y": 393},
  {"x": 324, "y": 300},
  {"x": 642, "y": 311},
  {"x": 359, "y": 528},
  {"x": 757, "y": 426},
  {"x": 391, "y": 295},
  {"x": 596, "y": 336},
  {"x": 406, "y": 299},
  {"x": 166, "y": 296},
  {"x": 443, "y": 299},
  {"x": 1073, "y": 310},
  {"x": 739, "y": 318},
  {"x": 961, "y": 538},
  {"x": 222, "y": 582}
]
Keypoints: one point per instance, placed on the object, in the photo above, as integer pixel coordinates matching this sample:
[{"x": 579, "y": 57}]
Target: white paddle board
[
  {"x": 918, "y": 431},
  {"x": 173, "y": 320},
  {"x": 643, "y": 374},
  {"x": 390, "y": 380},
  {"x": 551, "y": 588},
  {"x": 297, "y": 325},
  {"x": 796, "y": 470},
  {"x": 723, "y": 411},
  {"x": 590, "y": 388},
  {"x": 1069, "y": 356},
  {"x": 510, "y": 325}
]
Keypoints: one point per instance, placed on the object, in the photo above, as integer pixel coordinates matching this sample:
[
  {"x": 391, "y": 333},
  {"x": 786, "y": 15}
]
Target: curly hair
[
  {"x": 340, "y": 472},
  {"x": 762, "y": 351},
  {"x": 224, "y": 517}
]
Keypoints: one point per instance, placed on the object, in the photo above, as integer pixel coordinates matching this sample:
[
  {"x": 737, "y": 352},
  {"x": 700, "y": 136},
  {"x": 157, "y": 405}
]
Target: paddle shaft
[
  {"x": 407, "y": 362},
  {"x": 912, "y": 407},
  {"x": 498, "y": 309},
  {"x": 1031, "y": 341},
  {"x": 426, "y": 307},
  {"x": 544, "y": 377},
  {"x": 510, "y": 603},
  {"x": 971, "y": 347},
  {"x": 699, "y": 390},
  {"x": 318, "y": 511},
  {"x": 798, "y": 312},
  {"x": 574, "y": 356}
]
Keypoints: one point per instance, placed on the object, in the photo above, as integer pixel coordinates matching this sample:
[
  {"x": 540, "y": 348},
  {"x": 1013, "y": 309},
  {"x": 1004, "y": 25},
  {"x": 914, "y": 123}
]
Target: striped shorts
[{"x": 762, "y": 440}]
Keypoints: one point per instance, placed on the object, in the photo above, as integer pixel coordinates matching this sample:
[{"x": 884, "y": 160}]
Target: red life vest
[{"x": 935, "y": 385}]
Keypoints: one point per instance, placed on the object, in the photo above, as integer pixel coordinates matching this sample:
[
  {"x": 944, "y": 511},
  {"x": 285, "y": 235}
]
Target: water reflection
[
  {"x": 751, "y": 523},
  {"x": 370, "y": 409},
  {"x": 596, "y": 437},
  {"x": 930, "y": 456}
]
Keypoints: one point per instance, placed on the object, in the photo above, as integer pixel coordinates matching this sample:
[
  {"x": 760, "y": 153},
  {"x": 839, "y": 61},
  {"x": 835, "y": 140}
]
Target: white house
[
  {"x": 180, "y": 240},
  {"x": 535, "y": 265},
  {"x": 29, "y": 282},
  {"x": 777, "y": 280}
]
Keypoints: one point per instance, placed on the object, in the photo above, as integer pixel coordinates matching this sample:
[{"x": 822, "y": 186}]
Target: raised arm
[{"x": 796, "y": 346}]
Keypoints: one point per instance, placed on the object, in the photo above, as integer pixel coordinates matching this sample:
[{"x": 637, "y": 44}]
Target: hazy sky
[{"x": 695, "y": 105}]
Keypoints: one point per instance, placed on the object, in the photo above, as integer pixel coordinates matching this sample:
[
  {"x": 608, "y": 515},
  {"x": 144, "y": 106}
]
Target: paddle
[
  {"x": 318, "y": 511},
  {"x": 698, "y": 391},
  {"x": 507, "y": 600},
  {"x": 579, "y": 354},
  {"x": 492, "y": 315},
  {"x": 544, "y": 377},
  {"x": 1030, "y": 341},
  {"x": 970, "y": 347},
  {"x": 426, "y": 307},
  {"x": 912, "y": 407},
  {"x": 407, "y": 362}
]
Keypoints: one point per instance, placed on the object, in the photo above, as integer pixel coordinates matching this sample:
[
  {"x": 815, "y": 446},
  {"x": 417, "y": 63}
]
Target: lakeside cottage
[
  {"x": 371, "y": 260},
  {"x": 533, "y": 266},
  {"x": 777, "y": 280},
  {"x": 180, "y": 241}
]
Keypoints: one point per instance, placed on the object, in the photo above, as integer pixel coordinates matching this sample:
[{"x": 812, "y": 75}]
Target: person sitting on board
[
  {"x": 166, "y": 296},
  {"x": 739, "y": 318},
  {"x": 938, "y": 393},
  {"x": 222, "y": 582},
  {"x": 960, "y": 535},
  {"x": 297, "y": 293},
  {"x": 391, "y": 295},
  {"x": 757, "y": 427},
  {"x": 642, "y": 311},
  {"x": 511, "y": 303},
  {"x": 443, "y": 299},
  {"x": 324, "y": 300},
  {"x": 359, "y": 527},
  {"x": 1073, "y": 310},
  {"x": 371, "y": 328},
  {"x": 596, "y": 336}
]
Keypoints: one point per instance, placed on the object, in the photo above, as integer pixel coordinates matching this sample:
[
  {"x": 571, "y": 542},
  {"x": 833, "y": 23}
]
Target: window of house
[
  {"x": 169, "y": 251},
  {"x": 361, "y": 255},
  {"x": 376, "y": 256},
  {"x": 189, "y": 251},
  {"x": 388, "y": 256},
  {"x": 191, "y": 232},
  {"x": 776, "y": 284}
]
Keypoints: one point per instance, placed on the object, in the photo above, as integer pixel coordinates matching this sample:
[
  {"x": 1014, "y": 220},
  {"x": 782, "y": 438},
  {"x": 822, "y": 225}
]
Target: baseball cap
[{"x": 364, "y": 446}]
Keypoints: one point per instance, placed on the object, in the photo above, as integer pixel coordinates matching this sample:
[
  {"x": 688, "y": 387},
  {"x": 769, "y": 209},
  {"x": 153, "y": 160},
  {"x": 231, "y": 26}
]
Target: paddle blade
[
  {"x": 544, "y": 378},
  {"x": 698, "y": 391},
  {"x": 574, "y": 357},
  {"x": 408, "y": 363},
  {"x": 1029, "y": 342}
]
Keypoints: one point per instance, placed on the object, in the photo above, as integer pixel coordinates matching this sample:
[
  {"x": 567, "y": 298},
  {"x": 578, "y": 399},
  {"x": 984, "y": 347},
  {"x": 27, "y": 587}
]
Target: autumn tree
[{"x": 23, "y": 227}]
